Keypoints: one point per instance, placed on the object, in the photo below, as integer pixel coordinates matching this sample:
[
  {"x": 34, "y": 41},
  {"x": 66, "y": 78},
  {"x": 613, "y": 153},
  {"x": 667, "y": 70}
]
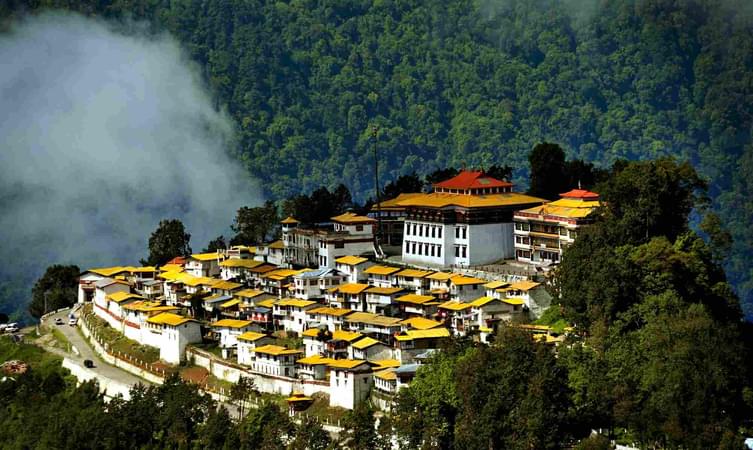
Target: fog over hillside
[{"x": 103, "y": 135}]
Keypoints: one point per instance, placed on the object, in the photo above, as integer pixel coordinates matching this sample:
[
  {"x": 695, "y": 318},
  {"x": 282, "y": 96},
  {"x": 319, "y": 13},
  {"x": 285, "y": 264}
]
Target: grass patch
[
  {"x": 283, "y": 340},
  {"x": 35, "y": 356},
  {"x": 61, "y": 341},
  {"x": 321, "y": 410},
  {"x": 211, "y": 347},
  {"x": 117, "y": 341}
]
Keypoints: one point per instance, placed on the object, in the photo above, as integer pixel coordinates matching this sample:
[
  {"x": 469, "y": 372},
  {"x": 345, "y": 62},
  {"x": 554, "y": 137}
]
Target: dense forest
[{"x": 452, "y": 83}]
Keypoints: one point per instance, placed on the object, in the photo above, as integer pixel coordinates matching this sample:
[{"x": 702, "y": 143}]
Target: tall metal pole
[{"x": 374, "y": 135}]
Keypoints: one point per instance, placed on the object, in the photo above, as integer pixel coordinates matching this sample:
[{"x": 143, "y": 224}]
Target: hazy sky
[{"x": 103, "y": 135}]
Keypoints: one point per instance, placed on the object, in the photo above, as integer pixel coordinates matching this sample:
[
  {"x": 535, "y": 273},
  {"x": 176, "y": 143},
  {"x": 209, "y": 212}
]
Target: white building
[
  {"x": 350, "y": 296},
  {"x": 247, "y": 343},
  {"x": 175, "y": 332},
  {"x": 381, "y": 276},
  {"x": 229, "y": 330},
  {"x": 543, "y": 232},
  {"x": 467, "y": 220},
  {"x": 290, "y": 314},
  {"x": 324, "y": 316},
  {"x": 349, "y": 234},
  {"x": 349, "y": 382},
  {"x": 371, "y": 349},
  {"x": 382, "y": 328},
  {"x": 134, "y": 319},
  {"x": 411, "y": 305},
  {"x": 413, "y": 279},
  {"x": 381, "y": 300},
  {"x": 276, "y": 360},
  {"x": 353, "y": 267},
  {"x": 465, "y": 289},
  {"x": 314, "y": 284},
  {"x": 312, "y": 367},
  {"x": 413, "y": 342},
  {"x": 204, "y": 264}
]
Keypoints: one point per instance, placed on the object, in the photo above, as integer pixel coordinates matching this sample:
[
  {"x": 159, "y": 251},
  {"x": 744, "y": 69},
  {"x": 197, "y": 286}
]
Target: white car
[{"x": 72, "y": 321}]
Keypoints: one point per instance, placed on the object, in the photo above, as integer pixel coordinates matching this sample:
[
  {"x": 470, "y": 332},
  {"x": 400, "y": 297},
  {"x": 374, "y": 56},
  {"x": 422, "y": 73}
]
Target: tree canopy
[
  {"x": 169, "y": 240},
  {"x": 57, "y": 288}
]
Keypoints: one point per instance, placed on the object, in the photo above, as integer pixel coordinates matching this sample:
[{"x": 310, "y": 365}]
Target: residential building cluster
[{"x": 365, "y": 324}]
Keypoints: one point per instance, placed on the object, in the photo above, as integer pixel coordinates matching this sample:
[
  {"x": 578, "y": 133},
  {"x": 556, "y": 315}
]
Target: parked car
[
  {"x": 88, "y": 363},
  {"x": 11, "y": 328},
  {"x": 72, "y": 321},
  {"x": 58, "y": 321}
]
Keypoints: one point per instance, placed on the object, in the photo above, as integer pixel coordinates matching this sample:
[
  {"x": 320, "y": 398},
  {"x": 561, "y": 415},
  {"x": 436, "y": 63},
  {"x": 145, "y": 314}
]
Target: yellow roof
[
  {"x": 524, "y": 285},
  {"x": 453, "y": 305},
  {"x": 167, "y": 318},
  {"x": 230, "y": 303},
  {"x": 119, "y": 297},
  {"x": 109, "y": 271},
  {"x": 299, "y": 398},
  {"x": 411, "y": 335},
  {"x": 145, "y": 306},
  {"x": 198, "y": 281},
  {"x": 276, "y": 350},
  {"x": 415, "y": 299},
  {"x": 264, "y": 268},
  {"x": 347, "y": 363},
  {"x": 386, "y": 362},
  {"x": 386, "y": 374},
  {"x": 567, "y": 208},
  {"x": 414, "y": 273},
  {"x": 365, "y": 343},
  {"x": 311, "y": 332},
  {"x": 249, "y": 293},
  {"x": 231, "y": 323},
  {"x": 441, "y": 200},
  {"x": 314, "y": 360},
  {"x": 207, "y": 256},
  {"x": 420, "y": 323},
  {"x": 277, "y": 244},
  {"x": 246, "y": 263},
  {"x": 145, "y": 269},
  {"x": 226, "y": 285},
  {"x": 373, "y": 319},
  {"x": 352, "y": 288},
  {"x": 462, "y": 280},
  {"x": 289, "y": 221},
  {"x": 481, "y": 301},
  {"x": 295, "y": 302},
  {"x": 441, "y": 276},
  {"x": 351, "y": 218},
  {"x": 495, "y": 284},
  {"x": 514, "y": 301},
  {"x": 327, "y": 311},
  {"x": 384, "y": 291},
  {"x": 350, "y": 260},
  {"x": 251, "y": 336},
  {"x": 267, "y": 303},
  {"x": 381, "y": 270},
  {"x": 343, "y": 335}
]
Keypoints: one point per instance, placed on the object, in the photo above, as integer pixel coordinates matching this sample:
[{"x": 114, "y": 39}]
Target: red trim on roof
[
  {"x": 178, "y": 260},
  {"x": 581, "y": 193},
  {"x": 470, "y": 180}
]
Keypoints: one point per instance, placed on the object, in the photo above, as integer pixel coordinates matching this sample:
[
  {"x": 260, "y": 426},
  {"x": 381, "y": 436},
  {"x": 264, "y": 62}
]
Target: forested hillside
[{"x": 472, "y": 82}]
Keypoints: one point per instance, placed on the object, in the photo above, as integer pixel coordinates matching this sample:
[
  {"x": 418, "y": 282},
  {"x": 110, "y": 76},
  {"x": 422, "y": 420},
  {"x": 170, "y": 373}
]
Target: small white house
[
  {"x": 312, "y": 367},
  {"x": 175, "y": 332},
  {"x": 229, "y": 330},
  {"x": 465, "y": 289},
  {"x": 353, "y": 267},
  {"x": 276, "y": 360},
  {"x": 290, "y": 314},
  {"x": 332, "y": 318},
  {"x": 413, "y": 279},
  {"x": 381, "y": 276},
  {"x": 349, "y": 296},
  {"x": 381, "y": 300},
  {"x": 247, "y": 344},
  {"x": 315, "y": 284},
  {"x": 204, "y": 264},
  {"x": 349, "y": 382},
  {"x": 371, "y": 349}
]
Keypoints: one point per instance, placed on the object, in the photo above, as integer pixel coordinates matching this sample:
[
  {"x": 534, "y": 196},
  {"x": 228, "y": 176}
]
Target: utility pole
[{"x": 377, "y": 240}]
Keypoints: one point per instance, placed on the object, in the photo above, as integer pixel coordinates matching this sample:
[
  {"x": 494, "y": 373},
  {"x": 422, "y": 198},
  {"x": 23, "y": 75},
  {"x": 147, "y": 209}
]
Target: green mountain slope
[{"x": 459, "y": 82}]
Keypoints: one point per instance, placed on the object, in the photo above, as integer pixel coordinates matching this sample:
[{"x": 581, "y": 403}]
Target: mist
[{"x": 103, "y": 135}]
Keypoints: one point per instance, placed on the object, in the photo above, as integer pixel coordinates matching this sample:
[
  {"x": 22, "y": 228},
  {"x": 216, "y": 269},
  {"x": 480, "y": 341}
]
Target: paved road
[{"x": 86, "y": 352}]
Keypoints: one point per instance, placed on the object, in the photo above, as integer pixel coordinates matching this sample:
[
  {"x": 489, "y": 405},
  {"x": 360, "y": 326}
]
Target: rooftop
[
  {"x": 231, "y": 323},
  {"x": 167, "y": 318},
  {"x": 350, "y": 260},
  {"x": 276, "y": 350},
  {"x": 468, "y": 179}
]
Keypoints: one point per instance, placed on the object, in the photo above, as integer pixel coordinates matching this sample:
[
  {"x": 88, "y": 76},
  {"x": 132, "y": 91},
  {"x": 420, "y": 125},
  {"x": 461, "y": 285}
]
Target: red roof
[
  {"x": 581, "y": 193},
  {"x": 470, "y": 180},
  {"x": 178, "y": 260}
]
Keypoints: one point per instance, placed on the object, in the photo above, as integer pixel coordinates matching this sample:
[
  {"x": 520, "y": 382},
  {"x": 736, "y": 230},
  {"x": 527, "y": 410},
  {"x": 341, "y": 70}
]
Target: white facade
[
  {"x": 456, "y": 244},
  {"x": 275, "y": 360},
  {"x": 354, "y": 270},
  {"x": 172, "y": 339},
  {"x": 247, "y": 347},
  {"x": 349, "y": 386}
]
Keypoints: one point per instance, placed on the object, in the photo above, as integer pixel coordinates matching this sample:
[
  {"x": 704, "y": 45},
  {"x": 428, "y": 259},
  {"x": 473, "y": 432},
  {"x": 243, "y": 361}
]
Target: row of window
[
  {"x": 461, "y": 233},
  {"x": 549, "y": 229},
  {"x": 423, "y": 249},
  {"x": 525, "y": 240},
  {"x": 461, "y": 251},
  {"x": 424, "y": 230}
]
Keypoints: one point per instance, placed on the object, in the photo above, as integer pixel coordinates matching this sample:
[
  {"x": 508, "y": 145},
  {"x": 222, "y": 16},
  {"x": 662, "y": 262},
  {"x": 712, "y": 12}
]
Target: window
[
  {"x": 526, "y": 227},
  {"x": 517, "y": 226},
  {"x": 465, "y": 232},
  {"x": 414, "y": 248},
  {"x": 439, "y": 232},
  {"x": 426, "y": 249},
  {"x": 457, "y": 232},
  {"x": 433, "y": 234},
  {"x": 563, "y": 231},
  {"x": 432, "y": 250},
  {"x": 359, "y": 227},
  {"x": 457, "y": 251},
  {"x": 439, "y": 250},
  {"x": 419, "y": 248},
  {"x": 464, "y": 250},
  {"x": 407, "y": 247},
  {"x": 339, "y": 244}
]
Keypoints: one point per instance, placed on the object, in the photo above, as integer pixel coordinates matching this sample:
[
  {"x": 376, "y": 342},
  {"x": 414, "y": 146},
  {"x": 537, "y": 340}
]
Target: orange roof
[
  {"x": 352, "y": 288},
  {"x": 382, "y": 270},
  {"x": 581, "y": 193},
  {"x": 467, "y": 179},
  {"x": 442, "y": 200},
  {"x": 351, "y": 218},
  {"x": 289, "y": 220}
]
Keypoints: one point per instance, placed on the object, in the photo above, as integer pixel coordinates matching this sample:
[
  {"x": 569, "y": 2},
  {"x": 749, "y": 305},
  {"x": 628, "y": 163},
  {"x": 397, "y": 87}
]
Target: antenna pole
[{"x": 374, "y": 135}]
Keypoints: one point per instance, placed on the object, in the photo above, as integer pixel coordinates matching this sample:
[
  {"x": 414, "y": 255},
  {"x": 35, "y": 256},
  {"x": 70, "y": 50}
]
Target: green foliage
[
  {"x": 361, "y": 427},
  {"x": 169, "y": 240},
  {"x": 254, "y": 225},
  {"x": 216, "y": 244},
  {"x": 57, "y": 288}
]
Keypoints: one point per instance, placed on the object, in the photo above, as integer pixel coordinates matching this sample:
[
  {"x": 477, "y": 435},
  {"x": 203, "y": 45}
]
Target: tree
[
  {"x": 440, "y": 175},
  {"x": 254, "y": 225},
  {"x": 56, "y": 289},
  {"x": 403, "y": 184},
  {"x": 309, "y": 435},
  {"x": 264, "y": 428},
  {"x": 499, "y": 172},
  {"x": 548, "y": 178},
  {"x": 169, "y": 240},
  {"x": 360, "y": 427},
  {"x": 216, "y": 244},
  {"x": 241, "y": 392}
]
